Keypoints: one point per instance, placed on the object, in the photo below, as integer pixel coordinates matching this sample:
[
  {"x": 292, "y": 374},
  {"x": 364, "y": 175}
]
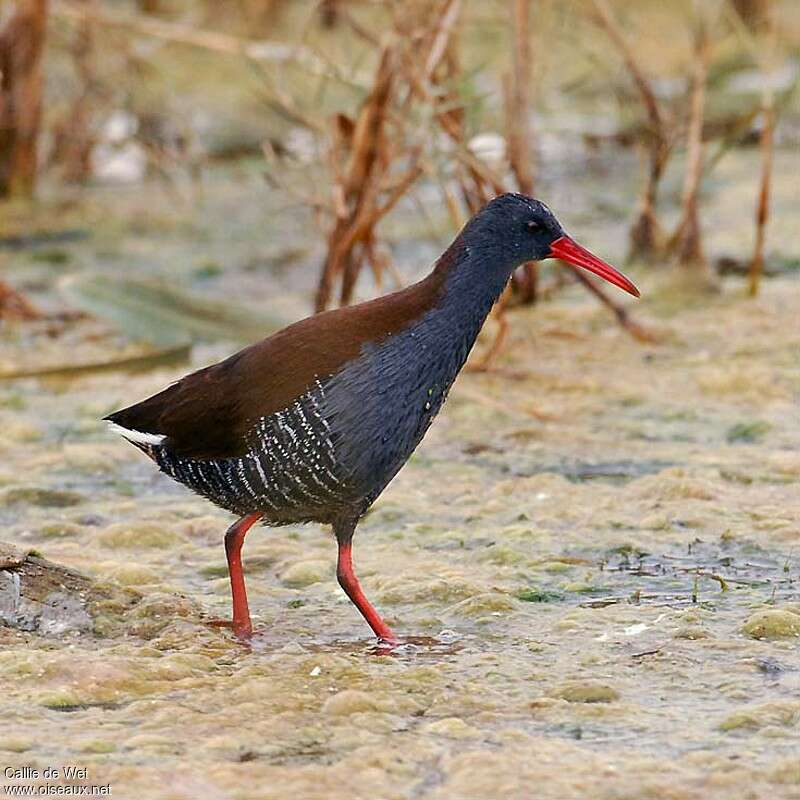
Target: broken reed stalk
[
  {"x": 767, "y": 142},
  {"x": 687, "y": 240},
  {"x": 21, "y": 49},
  {"x": 477, "y": 180},
  {"x": 15, "y": 306},
  {"x": 645, "y": 236},
  {"x": 639, "y": 332},
  {"x": 518, "y": 132}
]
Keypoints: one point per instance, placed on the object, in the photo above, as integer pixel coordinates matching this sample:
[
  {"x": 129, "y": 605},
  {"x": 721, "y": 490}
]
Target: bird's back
[{"x": 271, "y": 428}]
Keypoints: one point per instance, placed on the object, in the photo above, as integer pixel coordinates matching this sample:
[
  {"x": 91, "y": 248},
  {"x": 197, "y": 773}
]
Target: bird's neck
[
  {"x": 402, "y": 381},
  {"x": 467, "y": 285},
  {"x": 470, "y": 284}
]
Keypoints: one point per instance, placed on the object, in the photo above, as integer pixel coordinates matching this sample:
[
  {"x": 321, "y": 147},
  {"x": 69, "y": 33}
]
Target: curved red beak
[{"x": 569, "y": 250}]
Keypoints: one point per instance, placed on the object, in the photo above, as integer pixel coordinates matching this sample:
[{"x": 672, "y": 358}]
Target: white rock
[
  {"x": 753, "y": 81},
  {"x": 635, "y": 630},
  {"x": 302, "y": 144},
  {"x": 121, "y": 125},
  {"x": 490, "y": 147},
  {"x": 124, "y": 164}
]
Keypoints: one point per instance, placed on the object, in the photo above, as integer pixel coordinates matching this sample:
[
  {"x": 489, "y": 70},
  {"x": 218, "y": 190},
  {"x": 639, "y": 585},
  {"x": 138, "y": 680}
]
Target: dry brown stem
[
  {"x": 344, "y": 15},
  {"x": 15, "y": 306},
  {"x": 687, "y": 239},
  {"x": 330, "y": 12},
  {"x": 442, "y": 34},
  {"x": 762, "y": 209},
  {"x": 21, "y": 47},
  {"x": 435, "y": 86},
  {"x": 754, "y": 13},
  {"x": 517, "y": 96},
  {"x": 363, "y": 146},
  {"x": 489, "y": 400},
  {"x": 645, "y": 233},
  {"x": 639, "y": 332},
  {"x": 259, "y": 51},
  {"x": 417, "y": 77},
  {"x": 516, "y": 91},
  {"x": 486, "y": 362},
  {"x": 363, "y": 151},
  {"x": 73, "y": 137},
  {"x": 767, "y": 147}
]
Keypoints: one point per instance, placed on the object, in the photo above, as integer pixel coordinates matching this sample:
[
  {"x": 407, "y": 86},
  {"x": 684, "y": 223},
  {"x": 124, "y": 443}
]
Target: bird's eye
[{"x": 533, "y": 226}]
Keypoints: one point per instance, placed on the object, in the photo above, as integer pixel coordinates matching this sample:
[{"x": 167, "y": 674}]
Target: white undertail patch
[{"x": 140, "y": 437}]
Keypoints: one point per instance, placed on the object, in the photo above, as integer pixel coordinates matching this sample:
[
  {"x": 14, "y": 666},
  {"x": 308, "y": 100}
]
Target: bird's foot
[{"x": 242, "y": 631}]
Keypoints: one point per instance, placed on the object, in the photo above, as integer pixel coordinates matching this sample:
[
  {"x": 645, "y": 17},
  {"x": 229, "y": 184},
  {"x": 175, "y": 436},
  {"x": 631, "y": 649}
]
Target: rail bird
[{"x": 313, "y": 422}]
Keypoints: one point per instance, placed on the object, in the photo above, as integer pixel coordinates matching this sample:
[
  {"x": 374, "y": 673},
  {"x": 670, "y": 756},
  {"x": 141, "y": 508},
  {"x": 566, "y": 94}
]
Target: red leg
[
  {"x": 349, "y": 582},
  {"x": 234, "y": 539}
]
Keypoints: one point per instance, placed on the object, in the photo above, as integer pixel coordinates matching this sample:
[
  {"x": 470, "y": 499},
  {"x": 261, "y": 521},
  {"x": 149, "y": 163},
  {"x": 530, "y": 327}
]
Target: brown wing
[{"x": 207, "y": 414}]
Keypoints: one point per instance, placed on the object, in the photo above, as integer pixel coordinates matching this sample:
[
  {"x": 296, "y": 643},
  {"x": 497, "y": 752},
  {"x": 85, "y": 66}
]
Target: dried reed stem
[
  {"x": 267, "y": 51},
  {"x": 762, "y": 209},
  {"x": 355, "y": 189},
  {"x": 486, "y": 363},
  {"x": 688, "y": 237},
  {"x": 767, "y": 141},
  {"x": 15, "y": 306},
  {"x": 639, "y": 332},
  {"x": 518, "y": 99},
  {"x": 518, "y": 133},
  {"x": 21, "y": 49},
  {"x": 73, "y": 138},
  {"x": 645, "y": 232}
]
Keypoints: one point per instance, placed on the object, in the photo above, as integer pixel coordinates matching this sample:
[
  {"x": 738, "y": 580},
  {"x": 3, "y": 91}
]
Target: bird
[{"x": 312, "y": 423}]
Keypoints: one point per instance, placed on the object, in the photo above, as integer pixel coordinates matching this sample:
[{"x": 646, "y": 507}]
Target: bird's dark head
[{"x": 513, "y": 229}]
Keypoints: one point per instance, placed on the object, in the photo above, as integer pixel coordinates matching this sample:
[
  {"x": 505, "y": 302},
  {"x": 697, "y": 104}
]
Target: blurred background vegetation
[
  {"x": 175, "y": 170},
  {"x": 602, "y": 534}
]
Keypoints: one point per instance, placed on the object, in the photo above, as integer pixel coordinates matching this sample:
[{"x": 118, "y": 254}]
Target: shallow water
[{"x": 598, "y": 547}]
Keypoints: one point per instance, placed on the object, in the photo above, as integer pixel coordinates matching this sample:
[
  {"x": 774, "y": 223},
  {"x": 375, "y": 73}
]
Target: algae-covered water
[{"x": 602, "y": 537}]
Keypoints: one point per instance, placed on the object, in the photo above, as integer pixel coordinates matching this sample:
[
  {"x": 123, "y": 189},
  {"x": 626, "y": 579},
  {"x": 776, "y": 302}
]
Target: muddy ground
[{"x": 602, "y": 536}]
